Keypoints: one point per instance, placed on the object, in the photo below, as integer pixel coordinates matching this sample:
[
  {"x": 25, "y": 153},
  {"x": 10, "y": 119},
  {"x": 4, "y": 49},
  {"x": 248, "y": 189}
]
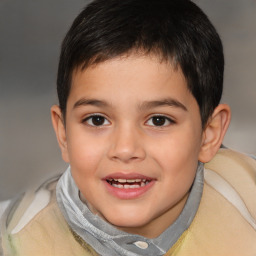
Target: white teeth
[
  {"x": 131, "y": 186},
  {"x": 130, "y": 181},
  {"x": 121, "y": 180},
  {"x": 135, "y": 186},
  {"x": 117, "y": 185},
  {"x": 126, "y": 186},
  {"x": 122, "y": 183}
]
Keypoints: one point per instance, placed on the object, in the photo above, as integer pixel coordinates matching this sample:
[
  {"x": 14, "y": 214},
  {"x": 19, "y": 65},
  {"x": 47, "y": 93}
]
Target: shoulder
[
  {"x": 236, "y": 168},
  {"x": 17, "y": 213},
  {"x": 21, "y": 210},
  {"x": 3, "y": 206},
  {"x": 225, "y": 222},
  {"x": 36, "y": 217},
  {"x": 233, "y": 174}
]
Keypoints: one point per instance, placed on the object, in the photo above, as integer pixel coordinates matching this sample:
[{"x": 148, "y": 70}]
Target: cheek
[
  {"x": 179, "y": 145},
  {"x": 85, "y": 152},
  {"x": 178, "y": 154}
]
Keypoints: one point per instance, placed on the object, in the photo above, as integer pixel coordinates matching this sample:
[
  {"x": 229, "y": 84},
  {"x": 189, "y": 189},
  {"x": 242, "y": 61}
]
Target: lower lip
[{"x": 128, "y": 193}]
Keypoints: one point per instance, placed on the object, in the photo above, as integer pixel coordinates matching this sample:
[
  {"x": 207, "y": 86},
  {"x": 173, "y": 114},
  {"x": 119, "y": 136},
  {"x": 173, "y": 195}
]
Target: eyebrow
[
  {"x": 93, "y": 102},
  {"x": 145, "y": 105},
  {"x": 163, "y": 102}
]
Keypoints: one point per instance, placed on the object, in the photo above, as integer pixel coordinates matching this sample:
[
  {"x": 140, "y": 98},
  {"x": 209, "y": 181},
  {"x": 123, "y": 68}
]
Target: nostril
[{"x": 124, "y": 157}]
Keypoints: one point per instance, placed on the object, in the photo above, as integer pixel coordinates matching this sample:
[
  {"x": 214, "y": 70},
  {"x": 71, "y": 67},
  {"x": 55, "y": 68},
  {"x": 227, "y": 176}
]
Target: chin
[{"x": 128, "y": 219}]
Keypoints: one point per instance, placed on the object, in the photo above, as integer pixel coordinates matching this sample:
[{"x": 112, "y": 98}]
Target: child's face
[{"x": 133, "y": 119}]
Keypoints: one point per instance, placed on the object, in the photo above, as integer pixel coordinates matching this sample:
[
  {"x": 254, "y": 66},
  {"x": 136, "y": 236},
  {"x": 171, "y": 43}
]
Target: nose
[{"x": 127, "y": 145}]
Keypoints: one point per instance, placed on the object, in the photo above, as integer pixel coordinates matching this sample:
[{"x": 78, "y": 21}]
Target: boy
[{"x": 139, "y": 85}]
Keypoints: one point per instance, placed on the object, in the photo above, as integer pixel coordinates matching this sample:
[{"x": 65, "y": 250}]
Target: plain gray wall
[{"x": 30, "y": 37}]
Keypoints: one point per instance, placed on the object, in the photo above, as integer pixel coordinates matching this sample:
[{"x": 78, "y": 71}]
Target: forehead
[
  {"x": 139, "y": 77},
  {"x": 133, "y": 58}
]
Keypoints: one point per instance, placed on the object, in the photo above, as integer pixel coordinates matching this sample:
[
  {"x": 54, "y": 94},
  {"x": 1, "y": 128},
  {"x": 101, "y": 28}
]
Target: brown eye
[
  {"x": 159, "y": 121},
  {"x": 96, "y": 120}
]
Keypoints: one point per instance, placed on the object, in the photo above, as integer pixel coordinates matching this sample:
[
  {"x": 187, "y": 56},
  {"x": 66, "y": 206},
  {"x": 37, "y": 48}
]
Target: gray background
[{"x": 30, "y": 36}]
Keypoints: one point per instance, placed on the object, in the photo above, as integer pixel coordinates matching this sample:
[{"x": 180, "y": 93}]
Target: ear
[
  {"x": 214, "y": 132},
  {"x": 60, "y": 131}
]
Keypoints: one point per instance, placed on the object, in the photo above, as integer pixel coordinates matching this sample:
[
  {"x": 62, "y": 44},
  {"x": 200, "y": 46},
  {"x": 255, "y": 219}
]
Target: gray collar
[{"x": 110, "y": 241}]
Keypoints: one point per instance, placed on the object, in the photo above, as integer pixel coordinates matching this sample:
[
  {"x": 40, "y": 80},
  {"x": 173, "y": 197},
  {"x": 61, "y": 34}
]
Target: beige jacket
[{"x": 223, "y": 226}]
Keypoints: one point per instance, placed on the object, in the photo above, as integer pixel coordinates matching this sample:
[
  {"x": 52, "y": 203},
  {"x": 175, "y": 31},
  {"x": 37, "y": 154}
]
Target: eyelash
[
  {"x": 163, "y": 119},
  {"x": 90, "y": 119}
]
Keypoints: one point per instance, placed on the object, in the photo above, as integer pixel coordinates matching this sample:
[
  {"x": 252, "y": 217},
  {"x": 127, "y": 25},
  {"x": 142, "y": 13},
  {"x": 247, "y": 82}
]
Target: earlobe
[
  {"x": 59, "y": 128},
  {"x": 214, "y": 132}
]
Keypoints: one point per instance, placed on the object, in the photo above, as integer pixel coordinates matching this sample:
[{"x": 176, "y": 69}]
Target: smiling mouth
[{"x": 128, "y": 183}]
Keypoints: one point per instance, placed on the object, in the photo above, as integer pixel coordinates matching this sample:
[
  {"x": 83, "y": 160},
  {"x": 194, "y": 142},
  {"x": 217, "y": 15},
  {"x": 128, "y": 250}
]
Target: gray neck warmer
[{"x": 110, "y": 241}]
